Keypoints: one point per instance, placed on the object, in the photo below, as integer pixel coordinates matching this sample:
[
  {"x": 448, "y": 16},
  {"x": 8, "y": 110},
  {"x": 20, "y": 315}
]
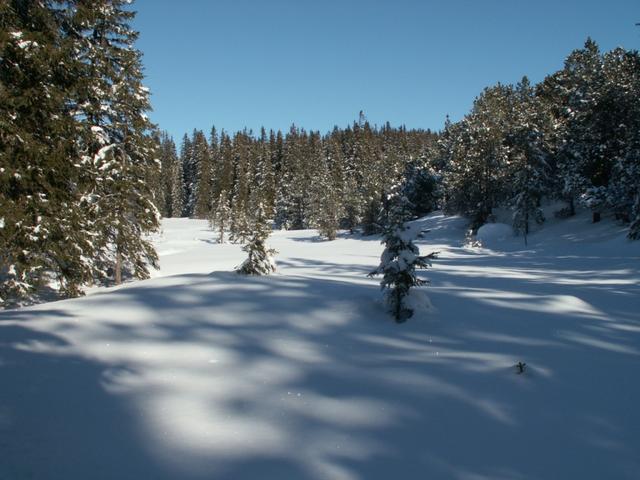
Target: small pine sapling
[
  {"x": 260, "y": 260},
  {"x": 399, "y": 261}
]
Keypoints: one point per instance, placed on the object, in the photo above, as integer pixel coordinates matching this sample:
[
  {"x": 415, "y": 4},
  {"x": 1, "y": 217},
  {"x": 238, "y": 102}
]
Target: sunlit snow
[{"x": 201, "y": 373}]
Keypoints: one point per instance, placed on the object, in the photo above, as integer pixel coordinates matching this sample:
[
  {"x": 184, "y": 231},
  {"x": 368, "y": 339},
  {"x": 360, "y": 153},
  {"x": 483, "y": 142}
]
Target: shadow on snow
[{"x": 222, "y": 376}]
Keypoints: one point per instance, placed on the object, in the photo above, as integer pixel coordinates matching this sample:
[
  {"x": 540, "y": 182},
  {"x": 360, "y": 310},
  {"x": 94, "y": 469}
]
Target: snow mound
[
  {"x": 491, "y": 235},
  {"x": 418, "y": 301}
]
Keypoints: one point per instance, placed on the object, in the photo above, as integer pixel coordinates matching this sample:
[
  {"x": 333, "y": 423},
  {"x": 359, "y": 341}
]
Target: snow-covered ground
[{"x": 199, "y": 373}]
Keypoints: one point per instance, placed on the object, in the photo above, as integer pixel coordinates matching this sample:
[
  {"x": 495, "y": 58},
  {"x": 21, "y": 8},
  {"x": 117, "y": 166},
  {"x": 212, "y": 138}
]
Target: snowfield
[{"x": 200, "y": 373}]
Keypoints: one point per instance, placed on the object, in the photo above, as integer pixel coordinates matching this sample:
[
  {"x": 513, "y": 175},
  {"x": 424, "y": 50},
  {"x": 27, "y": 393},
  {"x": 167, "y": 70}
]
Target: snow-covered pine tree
[
  {"x": 325, "y": 197},
  {"x": 175, "y": 188},
  {"x": 163, "y": 195},
  {"x": 202, "y": 191},
  {"x": 111, "y": 103},
  {"x": 240, "y": 227},
  {"x": 264, "y": 185},
  {"x": 583, "y": 157},
  {"x": 634, "y": 228},
  {"x": 622, "y": 87},
  {"x": 220, "y": 216},
  {"x": 224, "y": 166},
  {"x": 285, "y": 201},
  {"x": 352, "y": 200},
  {"x": 188, "y": 175},
  {"x": 44, "y": 233},
  {"x": 528, "y": 159},
  {"x": 260, "y": 260},
  {"x": 400, "y": 259},
  {"x": 155, "y": 177},
  {"x": 300, "y": 150},
  {"x": 475, "y": 177},
  {"x": 422, "y": 182}
]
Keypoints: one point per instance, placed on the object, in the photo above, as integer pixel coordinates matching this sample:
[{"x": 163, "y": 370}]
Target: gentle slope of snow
[{"x": 201, "y": 373}]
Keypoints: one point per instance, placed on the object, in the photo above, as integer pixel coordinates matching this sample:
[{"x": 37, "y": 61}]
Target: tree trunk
[
  {"x": 596, "y": 217},
  {"x": 118, "y": 269}
]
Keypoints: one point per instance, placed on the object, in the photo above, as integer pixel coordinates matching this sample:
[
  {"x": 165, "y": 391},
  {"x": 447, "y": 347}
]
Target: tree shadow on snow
[{"x": 229, "y": 377}]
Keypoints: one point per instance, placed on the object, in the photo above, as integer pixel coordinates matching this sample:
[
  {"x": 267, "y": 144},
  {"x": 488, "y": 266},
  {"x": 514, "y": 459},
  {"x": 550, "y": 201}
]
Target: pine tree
[
  {"x": 175, "y": 187},
  {"x": 634, "y": 229},
  {"x": 399, "y": 261},
  {"x": 260, "y": 260},
  {"x": 201, "y": 194},
  {"x": 224, "y": 166},
  {"x": 188, "y": 175},
  {"x": 583, "y": 157},
  {"x": 325, "y": 196},
  {"x": 44, "y": 232},
  {"x": 285, "y": 208},
  {"x": 528, "y": 158},
  {"x": 351, "y": 191},
  {"x": 117, "y": 142},
  {"x": 220, "y": 216},
  {"x": 265, "y": 182},
  {"x": 475, "y": 177},
  {"x": 240, "y": 227},
  {"x": 622, "y": 96}
]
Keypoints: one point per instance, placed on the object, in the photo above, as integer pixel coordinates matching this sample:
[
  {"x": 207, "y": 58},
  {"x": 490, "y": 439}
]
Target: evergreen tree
[
  {"x": 224, "y": 166},
  {"x": 201, "y": 194},
  {"x": 583, "y": 159},
  {"x": 399, "y": 260},
  {"x": 240, "y": 227},
  {"x": 112, "y": 101},
  {"x": 325, "y": 204},
  {"x": 175, "y": 187},
  {"x": 188, "y": 175},
  {"x": 220, "y": 217},
  {"x": 265, "y": 182},
  {"x": 260, "y": 260},
  {"x": 44, "y": 233},
  {"x": 475, "y": 178},
  {"x": 528, "y": 158},
  {"x": 622, "y": 93}
]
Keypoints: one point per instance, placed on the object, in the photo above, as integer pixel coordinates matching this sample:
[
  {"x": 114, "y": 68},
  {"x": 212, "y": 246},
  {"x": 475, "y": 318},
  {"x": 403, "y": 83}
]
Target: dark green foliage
[
  {"x": 118, "y": 148},
  {"x": 76, "y": 157},
  {"x": 43, "y": 223}
]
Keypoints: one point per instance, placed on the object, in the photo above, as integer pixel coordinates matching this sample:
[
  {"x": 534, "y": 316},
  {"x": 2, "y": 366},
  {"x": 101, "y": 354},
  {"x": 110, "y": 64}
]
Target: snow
[
  {"x": 201, "y": 373},
  {"x": 23, "y": 44},
  {"x": 493, "y": 234}
]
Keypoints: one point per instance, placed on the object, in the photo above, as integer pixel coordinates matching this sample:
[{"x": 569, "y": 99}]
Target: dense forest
[
  {"x": 573, "y": 137},
  {"x": 85, "y": 176}
]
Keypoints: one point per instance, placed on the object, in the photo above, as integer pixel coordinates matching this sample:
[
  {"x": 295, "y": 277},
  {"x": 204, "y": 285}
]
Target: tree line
[
  {"x": 574, "y": 137},
  {"x": 303, "y": 179}
]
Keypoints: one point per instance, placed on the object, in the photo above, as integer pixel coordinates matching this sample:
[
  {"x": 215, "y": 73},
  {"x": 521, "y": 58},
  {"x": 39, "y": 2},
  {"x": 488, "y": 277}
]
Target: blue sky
[{"x": 317, "y": 63}]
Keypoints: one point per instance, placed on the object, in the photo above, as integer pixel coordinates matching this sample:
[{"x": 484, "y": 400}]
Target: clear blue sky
[{"x": 237, "y": 63}]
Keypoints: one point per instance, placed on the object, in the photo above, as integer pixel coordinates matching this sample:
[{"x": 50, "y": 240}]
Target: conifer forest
[
  {"x": 86, "y": 176},
  {"x": 263, "y": 265}
]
